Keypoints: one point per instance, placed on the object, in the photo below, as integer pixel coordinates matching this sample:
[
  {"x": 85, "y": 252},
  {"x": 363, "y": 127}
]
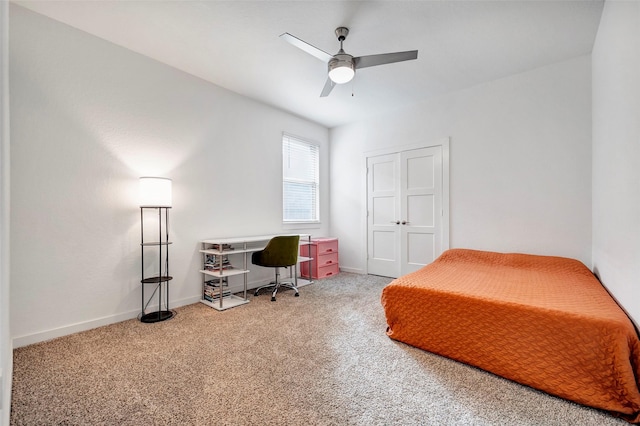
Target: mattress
[{"x": 542, "y": 321}]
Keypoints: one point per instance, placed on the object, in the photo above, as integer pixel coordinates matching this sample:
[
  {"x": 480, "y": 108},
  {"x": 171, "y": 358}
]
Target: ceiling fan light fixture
[{"x": 341, "y": 71}]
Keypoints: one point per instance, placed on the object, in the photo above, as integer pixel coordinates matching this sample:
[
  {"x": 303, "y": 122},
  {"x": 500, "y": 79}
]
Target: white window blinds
[{"x": 300, "y": 179}]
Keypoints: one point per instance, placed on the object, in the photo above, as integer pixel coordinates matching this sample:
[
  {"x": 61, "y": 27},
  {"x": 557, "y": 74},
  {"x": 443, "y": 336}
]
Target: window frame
[{"x": 288, "y": 138}]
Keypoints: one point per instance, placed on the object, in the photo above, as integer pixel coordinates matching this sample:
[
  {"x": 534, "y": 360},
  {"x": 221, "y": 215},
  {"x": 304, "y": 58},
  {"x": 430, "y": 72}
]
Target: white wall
[
  {"x": 520, "y": 178},
  {"x": 87, "y": 119},
  {"x": 616, "y": 153},
  {"x": 6, "y": 349}
]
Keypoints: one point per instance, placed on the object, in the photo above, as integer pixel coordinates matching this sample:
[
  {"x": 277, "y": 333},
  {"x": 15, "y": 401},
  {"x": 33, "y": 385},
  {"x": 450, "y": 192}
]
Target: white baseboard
[
  {"x": 352, "y": 270},
  {"x": 42, "y": 336}
]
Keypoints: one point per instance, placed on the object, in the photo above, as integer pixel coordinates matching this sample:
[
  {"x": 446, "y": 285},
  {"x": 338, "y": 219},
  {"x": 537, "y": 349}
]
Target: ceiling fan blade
[
  {"x": 384, "y": 58},
  {"x": 312, "y": 50},
  {"x": 328, "y": 87}
]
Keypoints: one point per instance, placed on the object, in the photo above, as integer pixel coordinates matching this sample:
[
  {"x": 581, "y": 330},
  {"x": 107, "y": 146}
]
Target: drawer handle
[
  {"x": 329, "y": 250},
  {"x": 330, "y": 273},
  {"x": 328, "y": 262}
]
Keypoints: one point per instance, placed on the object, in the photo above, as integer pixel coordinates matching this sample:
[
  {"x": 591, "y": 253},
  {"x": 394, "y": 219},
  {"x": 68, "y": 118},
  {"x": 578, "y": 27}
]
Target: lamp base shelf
[
  {"x": 156, "y": 280},
  {"x": 156, "y": 316}
]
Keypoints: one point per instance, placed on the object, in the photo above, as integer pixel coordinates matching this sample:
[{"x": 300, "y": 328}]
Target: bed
[{"x": 542, "y": 321}]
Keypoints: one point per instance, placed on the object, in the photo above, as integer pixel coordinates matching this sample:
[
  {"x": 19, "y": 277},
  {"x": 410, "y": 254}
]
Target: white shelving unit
[
  {"x": 230, "y": 301},
  {"x": 240, "y": 246}
]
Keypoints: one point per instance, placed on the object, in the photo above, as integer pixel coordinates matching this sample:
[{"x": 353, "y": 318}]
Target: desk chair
[{"x": 280, "y": 252}]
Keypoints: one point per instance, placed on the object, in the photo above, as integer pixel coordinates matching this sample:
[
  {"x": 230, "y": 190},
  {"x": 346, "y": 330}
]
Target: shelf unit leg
[
  {"x": 204, "y": 277},
  {"x": 244, "y": 247},
  {"x": 221, "y": 285}
]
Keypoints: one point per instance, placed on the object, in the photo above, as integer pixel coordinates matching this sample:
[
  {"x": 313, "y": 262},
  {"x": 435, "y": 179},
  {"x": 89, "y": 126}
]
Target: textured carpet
[{"x": 319, "y": 359}]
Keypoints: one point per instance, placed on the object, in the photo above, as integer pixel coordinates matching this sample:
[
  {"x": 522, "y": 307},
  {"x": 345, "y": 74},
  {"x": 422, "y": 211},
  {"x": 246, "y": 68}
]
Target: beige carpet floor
[{"x": 319, "y": 359}]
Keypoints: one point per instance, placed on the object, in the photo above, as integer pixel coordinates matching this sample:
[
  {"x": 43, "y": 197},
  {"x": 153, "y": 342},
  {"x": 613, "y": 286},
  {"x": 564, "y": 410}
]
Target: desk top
[{"x": 249, "y": 239}]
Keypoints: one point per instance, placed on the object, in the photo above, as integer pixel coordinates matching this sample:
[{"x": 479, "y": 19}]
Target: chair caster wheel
[
  {"x": 297, "y": 295},
  {"x": 273, "y": 299}
]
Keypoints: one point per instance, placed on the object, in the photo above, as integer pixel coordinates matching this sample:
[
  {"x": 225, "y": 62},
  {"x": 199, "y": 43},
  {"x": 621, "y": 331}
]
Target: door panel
[
  {"x": 420, "y": 210},
  {"x": 384, "y": 246},
  {"x": 383, "y": 211},
  {"x": 383, "y": 175},
  {"x": 420, "y": 248},
  {"x": 420, "y": 172}
]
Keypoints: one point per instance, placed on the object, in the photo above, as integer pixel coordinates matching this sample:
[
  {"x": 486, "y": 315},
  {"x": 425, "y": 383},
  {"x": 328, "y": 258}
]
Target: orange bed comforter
[{"x": 542, "y": 321}]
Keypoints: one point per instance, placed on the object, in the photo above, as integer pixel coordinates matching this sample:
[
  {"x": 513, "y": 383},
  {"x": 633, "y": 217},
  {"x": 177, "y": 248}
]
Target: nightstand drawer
[
  {"x": 327, "y": 271},
  {"x": 319, "y": 247},
  {"x": 327, "y": 259}
]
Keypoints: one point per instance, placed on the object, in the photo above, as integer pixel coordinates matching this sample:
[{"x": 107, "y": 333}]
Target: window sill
[{"x": 301, "y": 225}]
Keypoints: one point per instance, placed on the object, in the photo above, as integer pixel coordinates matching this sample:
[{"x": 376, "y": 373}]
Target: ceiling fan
[{"x": 342, "y": 66}]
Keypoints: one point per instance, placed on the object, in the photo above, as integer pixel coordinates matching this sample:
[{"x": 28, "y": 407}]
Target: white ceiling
[{"x": 235, "y": 44}]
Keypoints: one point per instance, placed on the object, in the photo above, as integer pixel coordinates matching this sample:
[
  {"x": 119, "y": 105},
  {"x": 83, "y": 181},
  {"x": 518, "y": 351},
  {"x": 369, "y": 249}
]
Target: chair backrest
[{"x": 280, "y": 251}]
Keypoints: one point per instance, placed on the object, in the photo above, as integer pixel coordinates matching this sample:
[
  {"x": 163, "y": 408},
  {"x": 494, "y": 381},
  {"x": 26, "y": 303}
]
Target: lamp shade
[{"x": 155, "y": 192}]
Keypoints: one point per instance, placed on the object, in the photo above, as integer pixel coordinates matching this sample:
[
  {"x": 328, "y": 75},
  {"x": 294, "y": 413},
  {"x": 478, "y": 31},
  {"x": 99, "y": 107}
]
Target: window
[{"x": 300, "y": 179}]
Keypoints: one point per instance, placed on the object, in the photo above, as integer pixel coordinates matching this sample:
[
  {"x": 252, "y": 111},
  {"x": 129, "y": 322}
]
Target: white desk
[{"x": 240, "y": 245}]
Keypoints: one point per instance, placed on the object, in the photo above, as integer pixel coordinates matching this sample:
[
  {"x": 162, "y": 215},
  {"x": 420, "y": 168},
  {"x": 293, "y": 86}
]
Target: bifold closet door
[{"x": 404, "y": 211}]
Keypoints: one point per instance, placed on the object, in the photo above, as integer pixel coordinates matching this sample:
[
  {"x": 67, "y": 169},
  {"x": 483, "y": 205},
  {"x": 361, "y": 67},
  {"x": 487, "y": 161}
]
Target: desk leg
[
  {"x": 295, "y": 275},
  {"x": 311, "y": 262}
]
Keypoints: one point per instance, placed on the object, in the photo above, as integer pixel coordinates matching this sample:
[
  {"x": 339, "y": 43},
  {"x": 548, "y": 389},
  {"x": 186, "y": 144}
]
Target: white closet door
[
  {"x": 383, "y": 215},
  {"x": 421, "y": 208},
  {"x": 404, "y": 208}
]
